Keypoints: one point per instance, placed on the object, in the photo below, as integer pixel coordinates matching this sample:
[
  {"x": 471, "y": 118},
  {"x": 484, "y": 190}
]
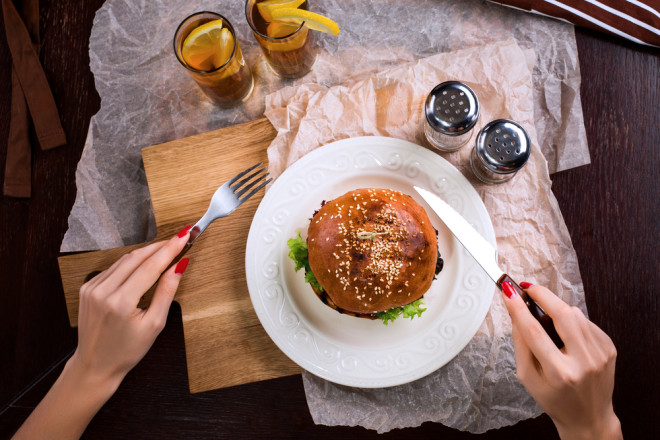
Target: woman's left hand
[{"x": 573, "y": 385}]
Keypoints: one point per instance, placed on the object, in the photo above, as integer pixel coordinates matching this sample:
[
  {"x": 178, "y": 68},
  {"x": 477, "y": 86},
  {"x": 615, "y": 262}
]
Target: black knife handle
[{"x": 537, "y": 312}]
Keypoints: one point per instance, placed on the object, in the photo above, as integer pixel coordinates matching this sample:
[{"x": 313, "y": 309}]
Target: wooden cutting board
[{"x": 225, "y": 342}]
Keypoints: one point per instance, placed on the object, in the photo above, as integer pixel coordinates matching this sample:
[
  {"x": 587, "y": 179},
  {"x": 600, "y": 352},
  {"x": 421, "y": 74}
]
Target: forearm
[{"x": 70, "y": 404}]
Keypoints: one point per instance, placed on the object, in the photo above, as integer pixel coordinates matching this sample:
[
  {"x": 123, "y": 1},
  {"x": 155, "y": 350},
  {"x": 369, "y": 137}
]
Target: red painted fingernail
[
  {"x": 508, "y": 289},
  {"x": 184, "y": 231},
  {"x": 526, "y": 285},
  {"x": 181, "y": 266}
]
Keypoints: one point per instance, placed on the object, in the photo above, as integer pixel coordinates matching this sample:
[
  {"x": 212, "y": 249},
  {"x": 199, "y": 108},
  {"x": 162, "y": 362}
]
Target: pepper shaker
[
  {"x": 451, "y": 110},
  {"x": 502, "y": 147}
]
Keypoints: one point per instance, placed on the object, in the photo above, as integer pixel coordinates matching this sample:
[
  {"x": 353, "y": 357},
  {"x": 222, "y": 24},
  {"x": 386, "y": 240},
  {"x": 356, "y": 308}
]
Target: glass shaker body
[
  {"x": 502, "y": 147},
  {"x": 451, "y": 111}
]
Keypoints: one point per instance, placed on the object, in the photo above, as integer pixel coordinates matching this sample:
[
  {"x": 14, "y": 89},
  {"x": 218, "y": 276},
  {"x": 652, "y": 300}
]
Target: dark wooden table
[{"x": 611, "y": 208}]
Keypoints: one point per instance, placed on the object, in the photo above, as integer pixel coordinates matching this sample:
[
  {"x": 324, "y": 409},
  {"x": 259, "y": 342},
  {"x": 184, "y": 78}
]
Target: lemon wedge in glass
[
  {"x": 312, "y": 20},
  {"x": 280, "y": 29},
  {"x": 208, "y": 46},
  {"x": 267, "y": 7},
  {"x": 225, "y": 49}
]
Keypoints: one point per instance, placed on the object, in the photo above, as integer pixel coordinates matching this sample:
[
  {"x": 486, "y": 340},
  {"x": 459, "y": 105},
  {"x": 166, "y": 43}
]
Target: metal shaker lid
[
  {"x": 452, "y": 108},
  {"x": 503, "y": 146}
]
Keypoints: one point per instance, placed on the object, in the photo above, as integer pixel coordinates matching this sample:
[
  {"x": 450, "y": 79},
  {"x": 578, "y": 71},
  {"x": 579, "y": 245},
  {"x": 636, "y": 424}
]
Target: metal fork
[{"x": 226, "y": 199}]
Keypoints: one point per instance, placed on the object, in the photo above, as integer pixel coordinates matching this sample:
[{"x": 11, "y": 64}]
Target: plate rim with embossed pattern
[{"x": 275, "y": 289}]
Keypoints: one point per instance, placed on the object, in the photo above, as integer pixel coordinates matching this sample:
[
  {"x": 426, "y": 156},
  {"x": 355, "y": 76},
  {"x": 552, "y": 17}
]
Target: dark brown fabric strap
[
  {"x": 635, "y": 20},
  {"x": 17, "y": 167},
  {"x": 31, "y": 96},
  {"x": 33, "y": 80}
]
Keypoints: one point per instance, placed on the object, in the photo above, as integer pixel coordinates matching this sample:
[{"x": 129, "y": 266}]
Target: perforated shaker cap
[
  {"x": 452, "y": 108},
  {"x": 503, "y": 146}
]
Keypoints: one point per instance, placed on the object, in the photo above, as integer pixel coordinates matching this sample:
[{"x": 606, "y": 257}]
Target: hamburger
[{"x": 370, "y": 253}]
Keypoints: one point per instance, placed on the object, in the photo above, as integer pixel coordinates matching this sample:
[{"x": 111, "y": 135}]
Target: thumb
[{"x": 164, "y": 294}]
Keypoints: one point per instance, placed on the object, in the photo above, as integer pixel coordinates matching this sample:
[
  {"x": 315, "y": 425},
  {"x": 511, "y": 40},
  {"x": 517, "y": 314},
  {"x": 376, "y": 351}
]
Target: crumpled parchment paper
[
  {"x": 147, "y": 98},
  {"x": 478, "y": 389}
]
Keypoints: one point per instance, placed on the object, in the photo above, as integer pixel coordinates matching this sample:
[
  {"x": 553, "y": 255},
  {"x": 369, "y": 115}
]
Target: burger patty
[{"x": 372, "y": 250}]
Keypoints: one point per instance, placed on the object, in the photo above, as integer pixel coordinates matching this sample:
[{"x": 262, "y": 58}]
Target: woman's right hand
[
  {"x": 113, "y": 333},
  {"x": 573, "y": 385}
]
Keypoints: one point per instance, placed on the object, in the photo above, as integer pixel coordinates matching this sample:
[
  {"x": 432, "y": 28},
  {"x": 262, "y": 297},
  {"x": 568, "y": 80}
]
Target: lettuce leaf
[
  {"x": 408, "y": 311},
  {"x": 299, "y": 254},
  {"x": 311, "y": 279}
]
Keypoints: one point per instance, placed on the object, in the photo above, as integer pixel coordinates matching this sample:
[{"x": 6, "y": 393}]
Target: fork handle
[
  {"x": 195, "y": 232},
  {"x": 180, "y": 256}
]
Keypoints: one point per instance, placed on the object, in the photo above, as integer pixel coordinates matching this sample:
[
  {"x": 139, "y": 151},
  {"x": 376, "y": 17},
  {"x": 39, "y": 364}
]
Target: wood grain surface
[
  {"x": 225, "y": 343},
  {"x": 611, "y": 209}
]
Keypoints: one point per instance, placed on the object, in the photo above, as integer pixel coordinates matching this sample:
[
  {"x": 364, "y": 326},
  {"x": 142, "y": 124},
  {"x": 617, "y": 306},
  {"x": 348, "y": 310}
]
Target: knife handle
[{"x": 537, "y": 312}]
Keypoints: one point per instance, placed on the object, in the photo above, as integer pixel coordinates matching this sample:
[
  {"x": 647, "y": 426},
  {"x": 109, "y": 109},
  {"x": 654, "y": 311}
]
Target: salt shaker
[
  {"x": 451, "y": 110},
  {"x": 501, "y": 149}
]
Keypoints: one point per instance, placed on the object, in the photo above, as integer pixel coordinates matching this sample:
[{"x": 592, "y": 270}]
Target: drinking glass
[
  {"x": 289, "y": 49},
  {"x": 227, "y": 85}
]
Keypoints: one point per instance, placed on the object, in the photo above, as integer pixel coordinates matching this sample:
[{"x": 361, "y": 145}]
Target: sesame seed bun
[{"x": 372, "y": 250}]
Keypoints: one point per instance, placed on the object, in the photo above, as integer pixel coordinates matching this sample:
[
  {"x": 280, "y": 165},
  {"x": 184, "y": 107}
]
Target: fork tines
[{"x": 254, "y": 178}]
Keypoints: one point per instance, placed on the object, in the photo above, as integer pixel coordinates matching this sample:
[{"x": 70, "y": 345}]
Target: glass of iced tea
[
  {"x": 288, "y": 47},
  {"x": 206, "y": 45}
]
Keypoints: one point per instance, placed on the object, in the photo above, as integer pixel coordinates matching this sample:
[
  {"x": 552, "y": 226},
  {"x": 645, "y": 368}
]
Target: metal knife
[{"x": 484, "y": 253}]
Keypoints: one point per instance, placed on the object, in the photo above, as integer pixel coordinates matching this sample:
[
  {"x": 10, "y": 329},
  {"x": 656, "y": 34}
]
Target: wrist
[
  {"x": 608, "y": 429},
  {"x": 98, "y": 386}
]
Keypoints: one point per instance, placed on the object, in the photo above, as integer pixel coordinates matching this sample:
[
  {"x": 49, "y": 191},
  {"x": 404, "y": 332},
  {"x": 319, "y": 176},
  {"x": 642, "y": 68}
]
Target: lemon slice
[
  {"x": 225, "y": 48},
  {"x": 314, "y": 21},
  {"x": 208, "y": 46},
  {"x": 268, "y": 6},
  {"x": 279, "y": 29}
]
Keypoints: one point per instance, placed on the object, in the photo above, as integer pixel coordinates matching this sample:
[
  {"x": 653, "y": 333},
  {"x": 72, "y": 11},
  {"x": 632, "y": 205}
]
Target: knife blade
[{"x": 486, "y": 255}]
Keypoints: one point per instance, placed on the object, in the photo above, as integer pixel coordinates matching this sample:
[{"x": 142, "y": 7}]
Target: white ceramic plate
[{"x": 343, "y": 349}]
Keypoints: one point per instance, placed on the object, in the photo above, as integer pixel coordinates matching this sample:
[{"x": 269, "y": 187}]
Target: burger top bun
[{"x": 372, "y": 250}]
